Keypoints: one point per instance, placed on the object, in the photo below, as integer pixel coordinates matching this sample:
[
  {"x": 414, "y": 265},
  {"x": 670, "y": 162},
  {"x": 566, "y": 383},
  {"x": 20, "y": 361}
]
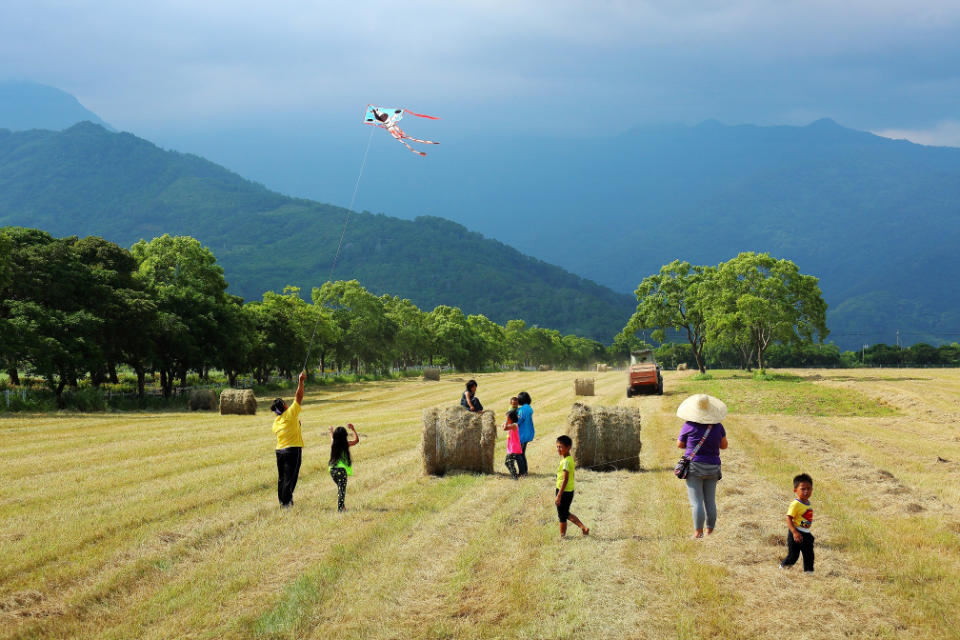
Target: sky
[
  {"x": 571, "y": 68},
  {"x": 276, "y": 91}
]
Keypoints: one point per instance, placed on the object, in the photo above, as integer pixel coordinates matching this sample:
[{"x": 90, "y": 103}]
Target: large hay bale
[
  {"x": 544, "y": 367},
  {"x": 605, "y": 438},
  {"x": 431, "y": 373},
  {"x": 583, "y": 386},
  {"x": 239, "y": 402},
  {"x": 203, "y": 400},
  {"x": 454, "y": 438},
  {"x": 682, "y": 366}
]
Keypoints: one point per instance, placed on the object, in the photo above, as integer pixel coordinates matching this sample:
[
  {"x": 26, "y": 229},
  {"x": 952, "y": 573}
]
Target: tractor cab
[{"x": 644, "y": 375}]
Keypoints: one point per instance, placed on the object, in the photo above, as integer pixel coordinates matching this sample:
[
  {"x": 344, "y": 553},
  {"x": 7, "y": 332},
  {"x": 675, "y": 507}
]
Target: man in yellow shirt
[{"x": 289, "y": 444}]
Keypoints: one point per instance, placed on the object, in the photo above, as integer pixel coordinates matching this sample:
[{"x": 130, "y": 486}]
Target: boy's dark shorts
[{"x": 563, "y": 509}]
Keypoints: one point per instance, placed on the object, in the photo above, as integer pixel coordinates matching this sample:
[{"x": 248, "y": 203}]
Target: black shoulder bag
[{"x": 682, "y": 470}]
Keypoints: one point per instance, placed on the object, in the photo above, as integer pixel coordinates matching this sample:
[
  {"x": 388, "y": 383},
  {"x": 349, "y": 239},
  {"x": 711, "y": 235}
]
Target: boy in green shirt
[{"x": 565, "y": 485}]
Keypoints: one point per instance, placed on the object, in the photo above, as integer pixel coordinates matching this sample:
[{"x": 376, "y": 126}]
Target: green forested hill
[{"x": 88, "y": 181}]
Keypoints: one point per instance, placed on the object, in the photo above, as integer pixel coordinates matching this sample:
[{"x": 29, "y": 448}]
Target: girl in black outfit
[{"x": 341, "y": 464}]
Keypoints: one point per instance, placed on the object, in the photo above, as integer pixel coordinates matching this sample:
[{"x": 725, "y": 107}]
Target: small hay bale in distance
[
  {"x": 603, "y": 368},
  {"x": 203, "y": 400},
  {"x": 454, "y": 439},
  {"x": 583, "y": 386},
  {"x": 682, "y": 366},
  {"x": 431, "y": 373},
  {"x": 238, "y": 402},
  {"x": 605, "y": 438},
  {"x": 544, "y": 367}
]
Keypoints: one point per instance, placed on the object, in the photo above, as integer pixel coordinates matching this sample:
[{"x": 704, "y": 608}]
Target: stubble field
[{"x": 167, "y": 525}]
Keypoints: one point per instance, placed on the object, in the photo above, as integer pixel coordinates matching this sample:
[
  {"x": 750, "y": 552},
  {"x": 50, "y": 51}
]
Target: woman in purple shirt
[{"x": 703, "y": 413}]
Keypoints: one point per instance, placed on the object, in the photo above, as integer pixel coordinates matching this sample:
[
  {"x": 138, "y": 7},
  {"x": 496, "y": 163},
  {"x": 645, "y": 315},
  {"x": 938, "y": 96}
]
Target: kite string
[{"x": 339, "y": 244}]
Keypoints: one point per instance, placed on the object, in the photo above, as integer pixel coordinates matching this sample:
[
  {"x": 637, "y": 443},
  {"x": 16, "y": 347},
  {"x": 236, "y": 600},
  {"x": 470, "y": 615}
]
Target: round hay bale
[
  {"x": 431, "y": 373},
  {"x": 544, "y": 367},
  {"x": 682, "y": 366},
  {"x": 605, "y": 438},
  {"x": 583, "y": 386},
  {"x": 239, "y": 402},
  {"x": 456, "y": 439},
  {"x": 203, "y": 400}
]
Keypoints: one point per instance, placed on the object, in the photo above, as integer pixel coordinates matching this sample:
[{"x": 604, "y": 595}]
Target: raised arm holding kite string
[{"x": 388, "y": 119}]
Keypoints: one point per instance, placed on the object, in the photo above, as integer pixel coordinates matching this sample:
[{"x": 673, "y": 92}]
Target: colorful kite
[{"x": 388, "y": 119}]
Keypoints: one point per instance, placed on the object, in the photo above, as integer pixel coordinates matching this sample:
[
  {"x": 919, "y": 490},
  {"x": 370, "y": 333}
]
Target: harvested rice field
[{"x": 167, "y": 525}]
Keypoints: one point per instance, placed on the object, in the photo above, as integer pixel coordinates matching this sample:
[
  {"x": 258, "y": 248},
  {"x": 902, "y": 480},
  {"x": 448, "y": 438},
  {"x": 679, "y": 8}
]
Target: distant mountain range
[
  {"x": 88, "y": 181},
  {"x": 875, "y": 219},
  {"x": 28, "y": 105}
]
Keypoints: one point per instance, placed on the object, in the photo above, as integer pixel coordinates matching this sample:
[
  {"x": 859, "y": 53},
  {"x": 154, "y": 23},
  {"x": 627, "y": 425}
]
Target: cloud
[
  {"x": 944, "y": 134},
  {"x": 602, "y": 65}
]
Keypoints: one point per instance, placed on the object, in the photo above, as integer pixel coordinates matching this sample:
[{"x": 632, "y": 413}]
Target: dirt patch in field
[
  {"x": 29, "y": 604},
  {"x": 169, "y": 537}
]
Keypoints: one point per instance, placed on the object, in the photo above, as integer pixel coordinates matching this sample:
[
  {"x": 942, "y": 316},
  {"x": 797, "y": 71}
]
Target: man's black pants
[
  {"x": 794, "y": 549},
  {"x": 288, "y": 470}
]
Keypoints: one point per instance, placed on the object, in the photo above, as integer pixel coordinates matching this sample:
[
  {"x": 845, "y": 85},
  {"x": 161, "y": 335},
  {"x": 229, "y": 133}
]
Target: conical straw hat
[{"x": 703, "y": 409}]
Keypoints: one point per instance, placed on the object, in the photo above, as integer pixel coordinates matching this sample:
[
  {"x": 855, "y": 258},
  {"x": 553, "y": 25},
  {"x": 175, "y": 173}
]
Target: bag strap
[{"x": 700, "y": 444}]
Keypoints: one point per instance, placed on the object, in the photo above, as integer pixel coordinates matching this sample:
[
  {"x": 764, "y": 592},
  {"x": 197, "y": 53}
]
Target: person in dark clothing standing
[{"x": 286, "y": 426}]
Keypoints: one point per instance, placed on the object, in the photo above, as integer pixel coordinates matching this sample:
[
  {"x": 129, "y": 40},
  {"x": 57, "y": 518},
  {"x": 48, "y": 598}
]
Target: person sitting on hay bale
[
  {"x": 289, "y": 444},
  {"x": 469, "y": 399}
]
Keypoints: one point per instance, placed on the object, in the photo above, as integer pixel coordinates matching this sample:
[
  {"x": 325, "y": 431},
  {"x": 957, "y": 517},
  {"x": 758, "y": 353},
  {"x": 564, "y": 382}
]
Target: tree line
[{"x": 80, "y": 308}]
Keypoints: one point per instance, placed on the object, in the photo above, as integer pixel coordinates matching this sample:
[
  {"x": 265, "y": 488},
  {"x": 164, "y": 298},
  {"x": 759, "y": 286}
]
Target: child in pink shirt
[{"x": 513, "y": 443}]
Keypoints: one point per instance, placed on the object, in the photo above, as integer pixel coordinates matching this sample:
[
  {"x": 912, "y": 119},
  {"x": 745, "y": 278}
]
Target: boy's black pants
[
  {"x": 288, "y": 470},
  {"x": 795, "y": 549}
]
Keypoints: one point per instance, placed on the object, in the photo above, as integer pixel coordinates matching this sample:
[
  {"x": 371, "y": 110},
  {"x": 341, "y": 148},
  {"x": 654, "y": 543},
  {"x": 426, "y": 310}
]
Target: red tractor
[{"x": 644, "y": 375}]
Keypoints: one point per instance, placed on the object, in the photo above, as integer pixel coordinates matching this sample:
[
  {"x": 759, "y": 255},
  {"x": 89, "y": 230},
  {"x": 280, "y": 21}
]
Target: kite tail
[
  {"x": 419, "y": 153},
  {"x": 420, "y": 115},
  {"x": 421, "y": 141}
]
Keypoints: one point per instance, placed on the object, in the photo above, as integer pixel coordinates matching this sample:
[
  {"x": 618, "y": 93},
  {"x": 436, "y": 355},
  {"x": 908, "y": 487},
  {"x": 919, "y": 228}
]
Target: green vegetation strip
[{"x": 785, "y": 394}]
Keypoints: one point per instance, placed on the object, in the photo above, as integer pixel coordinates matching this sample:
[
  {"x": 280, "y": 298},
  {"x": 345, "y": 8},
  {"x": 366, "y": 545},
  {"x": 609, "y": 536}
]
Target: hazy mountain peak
[{"x": 28, "y": 105}]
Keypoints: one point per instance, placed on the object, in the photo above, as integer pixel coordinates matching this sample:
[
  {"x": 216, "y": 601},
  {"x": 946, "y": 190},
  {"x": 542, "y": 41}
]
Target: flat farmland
[{"x": 167, "y": 525}]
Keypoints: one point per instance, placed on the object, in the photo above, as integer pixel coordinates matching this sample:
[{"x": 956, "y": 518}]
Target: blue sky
[{"x": 166, "y": 69}]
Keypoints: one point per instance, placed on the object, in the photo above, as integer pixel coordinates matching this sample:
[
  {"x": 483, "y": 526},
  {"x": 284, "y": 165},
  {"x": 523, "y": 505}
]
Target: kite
[{"x": 388, "y": 119}]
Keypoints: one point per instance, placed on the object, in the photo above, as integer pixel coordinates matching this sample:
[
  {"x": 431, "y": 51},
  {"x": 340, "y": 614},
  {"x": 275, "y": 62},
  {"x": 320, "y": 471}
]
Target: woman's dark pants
[
  {"x": 794, "y": 549},
  {"x": 288, "y": 470},
  {"x": 522, "y": 459}
]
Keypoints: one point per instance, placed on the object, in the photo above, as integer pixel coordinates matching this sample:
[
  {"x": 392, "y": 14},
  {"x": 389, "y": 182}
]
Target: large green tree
[
  {"x": 365, "y": 333},
  {"x": 188, "y": 286},
  {"x": 763, "y": 300},
  {"x": 674, "y": 299},
  {"x": 413, "y": 341}
]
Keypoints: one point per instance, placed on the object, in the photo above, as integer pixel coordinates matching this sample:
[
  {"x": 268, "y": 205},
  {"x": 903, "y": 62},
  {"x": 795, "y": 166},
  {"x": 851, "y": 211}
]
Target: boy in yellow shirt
[
  {"x": 289, "y": 444},
  {"x": 799, "y": 519},
  {"x": 565, "y": 486}
]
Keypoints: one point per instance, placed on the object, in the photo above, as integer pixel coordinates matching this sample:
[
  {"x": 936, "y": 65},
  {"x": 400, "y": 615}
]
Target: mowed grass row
[{"x": 167, "y": 526}]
